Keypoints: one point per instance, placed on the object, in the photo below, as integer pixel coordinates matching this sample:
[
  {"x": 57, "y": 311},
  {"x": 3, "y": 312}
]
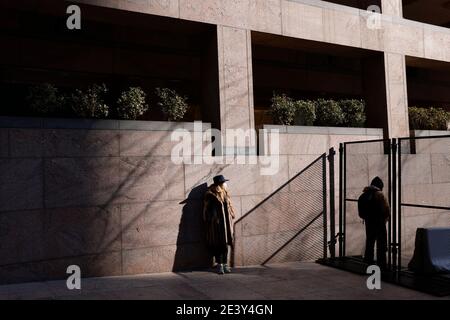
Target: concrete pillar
[
  {"x": 396, "y": 88},
  {"x": 236, "y": 85},
  {"x": 396, "y": 95},
  {"x": 392, "y": 7}
]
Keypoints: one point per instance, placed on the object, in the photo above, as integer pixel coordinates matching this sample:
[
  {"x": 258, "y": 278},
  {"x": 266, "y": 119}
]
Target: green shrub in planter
[
  {"x": 283, "y": 109},
  {"x": 90, "y": 103},
  {"x": 131, "y": 104},
  {"x": 418, "y": 118},
  {"x": 428, "y": 118},
  {"x": 305, "y": 113},
  {"x": 354, "y": 112},
  {"x": 439, "y": 118},
  {"x": 172, "y": 104},
  {"x": 328, "y": 113},
  {"x": 44, "y": 99}
]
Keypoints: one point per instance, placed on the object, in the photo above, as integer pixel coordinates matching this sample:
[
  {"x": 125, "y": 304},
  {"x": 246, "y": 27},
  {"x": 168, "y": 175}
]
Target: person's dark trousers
[
  {"x": 221, "y": 254},
  {"x": 376, "y": 232}
]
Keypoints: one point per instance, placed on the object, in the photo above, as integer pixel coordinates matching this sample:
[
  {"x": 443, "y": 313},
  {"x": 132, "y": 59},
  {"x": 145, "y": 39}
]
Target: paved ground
[{"x": 277, "y": 281}]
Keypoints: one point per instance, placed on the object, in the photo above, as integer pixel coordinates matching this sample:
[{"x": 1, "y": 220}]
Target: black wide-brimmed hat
[{"x": 219, "y": 179}]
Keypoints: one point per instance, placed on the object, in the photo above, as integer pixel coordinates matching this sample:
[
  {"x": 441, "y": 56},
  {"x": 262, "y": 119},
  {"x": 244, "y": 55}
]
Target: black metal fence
[
  {"x": 416, "y": 172},
  {"x": 360, "y": 161},
  {"x": 288, "y": 225},
  {"x": 424, "y": 189},
  {"x": 292, "y": 223}
]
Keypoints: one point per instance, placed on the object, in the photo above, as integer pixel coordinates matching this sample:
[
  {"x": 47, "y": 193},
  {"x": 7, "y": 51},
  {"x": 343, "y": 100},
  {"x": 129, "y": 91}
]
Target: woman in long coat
[{"x": 218, "y": 215}]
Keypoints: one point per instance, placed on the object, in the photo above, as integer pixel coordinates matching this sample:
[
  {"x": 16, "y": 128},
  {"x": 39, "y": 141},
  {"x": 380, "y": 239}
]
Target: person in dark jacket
[
  {"x": 375, "y": 222},
  {"x": 218, "y": 216}
]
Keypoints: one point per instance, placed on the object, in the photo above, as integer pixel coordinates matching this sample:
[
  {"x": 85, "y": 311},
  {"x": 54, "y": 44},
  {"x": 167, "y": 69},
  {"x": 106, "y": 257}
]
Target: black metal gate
[
  {"x": 423, "y": 202},
  {"x": 394, "y": 160}
]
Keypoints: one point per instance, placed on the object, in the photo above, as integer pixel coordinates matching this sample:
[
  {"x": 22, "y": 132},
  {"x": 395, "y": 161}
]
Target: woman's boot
[{"x": 226, "y": 268}]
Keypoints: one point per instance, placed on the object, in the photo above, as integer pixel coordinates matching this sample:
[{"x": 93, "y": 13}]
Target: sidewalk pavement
[{"x": 297, "y": 280}]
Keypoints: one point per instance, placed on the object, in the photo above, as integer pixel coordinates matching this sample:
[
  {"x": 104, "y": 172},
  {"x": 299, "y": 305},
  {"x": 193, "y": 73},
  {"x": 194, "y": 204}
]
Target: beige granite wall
[
  {"x": 106, "y": 196},
  {"x": 392, "y": 7},
  {"x": 306, "y": 19},
  {"x": 103, "y": 195}
]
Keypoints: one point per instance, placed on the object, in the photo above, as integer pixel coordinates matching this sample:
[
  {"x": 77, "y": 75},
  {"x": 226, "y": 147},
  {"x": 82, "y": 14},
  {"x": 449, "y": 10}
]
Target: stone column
[
  {"x": 392, "y": 7},
  {"x": 396, "y": 95},
  {"x": 236, "y": 85},
  {"x": 396, "y": 88}
]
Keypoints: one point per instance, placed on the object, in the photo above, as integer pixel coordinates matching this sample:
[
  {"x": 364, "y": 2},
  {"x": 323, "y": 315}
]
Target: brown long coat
[{"x": 218, "y": 215}]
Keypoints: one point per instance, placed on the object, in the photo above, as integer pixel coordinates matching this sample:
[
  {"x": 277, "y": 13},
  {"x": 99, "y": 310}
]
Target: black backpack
[{"x": 366, "y": 204}]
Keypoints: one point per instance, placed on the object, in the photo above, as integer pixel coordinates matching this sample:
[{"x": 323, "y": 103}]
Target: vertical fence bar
[
  {"x": 324, "y": 188},
  {"x": 394, "y": 204},
  {"x": 389, "y": 151},
  {"x": 344, "y": 203},
  {"x": 331, "y": 155},
  {"x": 399, "y": 201},
  {"x": 341, "y": 181}
]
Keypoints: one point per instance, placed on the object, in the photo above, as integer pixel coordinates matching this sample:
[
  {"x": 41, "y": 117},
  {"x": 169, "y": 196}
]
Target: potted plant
[
  {"x": 305, "y": 113},
  {"x": 131, "y": 104},
  {"x": 173, "y": 105},
  {"x": 45, "y": 99},
  {"x": 354, "y": 112},
  {"x": 283, "y": 109},
  {"x": 90, "y": 103},
  {"x": 328, "y": 113}
]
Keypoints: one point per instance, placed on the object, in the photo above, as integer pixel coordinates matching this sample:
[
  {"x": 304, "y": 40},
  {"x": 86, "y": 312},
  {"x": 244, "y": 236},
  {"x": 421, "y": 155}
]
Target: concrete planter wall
[
  {"x": 106, "y": 196},
  {"x": 100, "y": 194}
]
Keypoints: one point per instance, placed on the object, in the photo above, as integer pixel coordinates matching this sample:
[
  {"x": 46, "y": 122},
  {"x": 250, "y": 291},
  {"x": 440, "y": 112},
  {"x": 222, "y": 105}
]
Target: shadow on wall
[
  {"x": 98, "y": 200},
  {"x": 287, "y": 225},
  {"x": 191, "y": 249}
]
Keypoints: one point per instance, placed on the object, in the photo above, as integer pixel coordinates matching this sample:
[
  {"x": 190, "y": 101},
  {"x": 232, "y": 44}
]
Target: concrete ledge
[
  {"x": 80, "y": 124},
  {"x": 19, "y": 122},
  {"x": 385, "y": 17},
  {"x": 239, "y": 151},
  {"x": 325, "y": 130},
  {"x": 94, "y": 124},
  {"x": 161, "y": 125},
  {"x": 428, "y": 133},
  {"x": 373, "y": 131},
  {"x": 281, "y": 129}
]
